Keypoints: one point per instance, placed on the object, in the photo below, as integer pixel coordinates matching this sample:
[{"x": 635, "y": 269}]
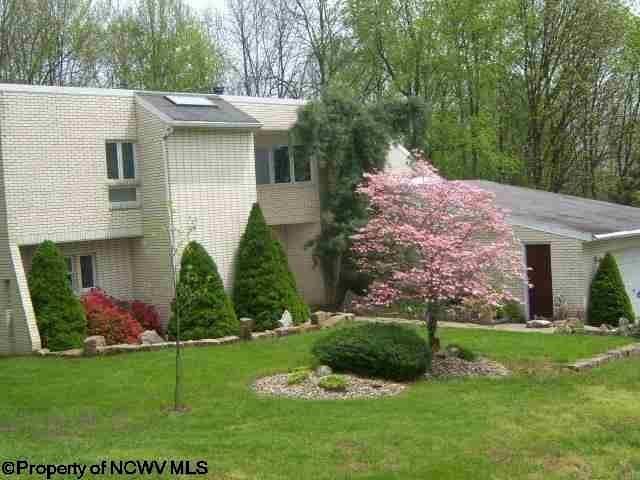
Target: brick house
[{"x": 101, "y": 171}]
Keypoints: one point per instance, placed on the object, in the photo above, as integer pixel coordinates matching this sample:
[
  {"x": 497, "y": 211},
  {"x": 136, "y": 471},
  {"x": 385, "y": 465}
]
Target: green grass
[{"x": 542, "y": 423}]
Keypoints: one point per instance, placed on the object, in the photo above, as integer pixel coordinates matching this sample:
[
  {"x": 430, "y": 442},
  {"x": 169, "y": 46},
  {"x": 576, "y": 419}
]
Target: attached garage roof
[
  {"x": 209, "y": 111},
  {"x": 565, "y": 214}
]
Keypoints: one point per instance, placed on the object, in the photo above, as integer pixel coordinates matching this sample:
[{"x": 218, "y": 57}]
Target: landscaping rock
[
  {"x": 285, "y": 331},
  {"x": 265, "y": 334},
  {"x": 119, "y": 348},
  {"x": 452, "y": 351},
  {"x": 150, "y": 337},
  {"x": 92, "y": 343},
  {"x": 323, "y": 371},
  {"x": 227, "y": 339},
  {"x": 617, "y": 353},
  {"x": 319, "y": 317},
  {"x": 349, "y": 301},
  {"x": 539, "y": 324},
  {"x": 335, "y": 319},
  {"x": 246, "y": 327}
]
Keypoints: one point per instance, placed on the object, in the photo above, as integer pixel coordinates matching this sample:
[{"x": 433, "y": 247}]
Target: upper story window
[
  {"x": 121, "y": 163},
  {"x": 122, "y": 175},
  {"x": 282, "y": 164}
]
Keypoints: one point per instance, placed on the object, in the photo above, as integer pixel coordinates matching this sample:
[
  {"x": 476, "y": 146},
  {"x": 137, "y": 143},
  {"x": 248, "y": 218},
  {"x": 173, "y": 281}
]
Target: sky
[{"x": 203, "y": 4}]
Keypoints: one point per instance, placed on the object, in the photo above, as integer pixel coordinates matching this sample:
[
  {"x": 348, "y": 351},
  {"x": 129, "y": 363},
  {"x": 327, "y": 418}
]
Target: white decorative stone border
[
  {"x": 207, "y": 342},
  {"x": 632, "y": 350},
  {"x": 318, "y": 320}
]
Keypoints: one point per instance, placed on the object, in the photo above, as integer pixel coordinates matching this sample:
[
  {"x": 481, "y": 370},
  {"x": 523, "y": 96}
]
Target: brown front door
[{"x": 541, "y": 291}]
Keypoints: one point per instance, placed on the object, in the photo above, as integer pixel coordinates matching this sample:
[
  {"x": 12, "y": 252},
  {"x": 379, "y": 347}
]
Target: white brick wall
[
  {"x": 152, "y": 277},
  {"x": 308, "y": 277},
  {"x": 274, "y": 114},
  {"x": 567, "y": 264},
  {"x": 53, "y": 153},
  {"x": 213, "y": 187}
]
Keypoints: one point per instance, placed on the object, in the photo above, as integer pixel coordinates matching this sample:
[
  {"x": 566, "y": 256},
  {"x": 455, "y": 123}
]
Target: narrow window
[
  {"x": 71, "y": 272},
  {"x": 128, "y": 164},
  {"x": 112, "y": 161},
  {"x": 87, "y": 271},
  {"x": 281, "y": 165},
  {"x": 301, "y": 165},
  {"x": 262, "y": 166}
]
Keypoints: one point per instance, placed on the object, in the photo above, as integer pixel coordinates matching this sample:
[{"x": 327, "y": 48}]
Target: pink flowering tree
[{"x": 434, "y": 242}]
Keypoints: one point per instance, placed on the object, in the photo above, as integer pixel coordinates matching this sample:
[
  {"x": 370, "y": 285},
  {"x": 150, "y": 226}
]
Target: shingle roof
[
  {"x": 221, "y": 114},
  {"x": 583, "y": 217}
]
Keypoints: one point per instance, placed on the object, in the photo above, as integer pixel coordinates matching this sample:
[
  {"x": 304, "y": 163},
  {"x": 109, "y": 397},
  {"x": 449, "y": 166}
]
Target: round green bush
[
  {"x": 334, "y": 383},
  {"x": 298, "y": 376},
  {"x": 386, "y": 351}
]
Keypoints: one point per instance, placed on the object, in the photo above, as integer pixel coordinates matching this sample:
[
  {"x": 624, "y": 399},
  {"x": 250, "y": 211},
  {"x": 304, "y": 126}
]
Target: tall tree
[
  {"x": 427, "y": 241},
  {"x": 162, "y": 45},
  {"x": 563, "y": 45},
  {"x": 50, "y": 42},
  {"x": 347, "y": 139}
]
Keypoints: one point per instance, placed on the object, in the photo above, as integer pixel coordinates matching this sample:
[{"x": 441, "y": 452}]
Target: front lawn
[{"x": 542, "y": 423}]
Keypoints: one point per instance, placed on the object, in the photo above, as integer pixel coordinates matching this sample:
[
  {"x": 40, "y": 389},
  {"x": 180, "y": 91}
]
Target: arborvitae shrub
[
  {"x": 59, "y": 313},
  {"x": 204, "y": 307},
  {"x": 608, "y": 298},
  {"x": 264, "y": 286},
  {"x": 387, "y": 351}
]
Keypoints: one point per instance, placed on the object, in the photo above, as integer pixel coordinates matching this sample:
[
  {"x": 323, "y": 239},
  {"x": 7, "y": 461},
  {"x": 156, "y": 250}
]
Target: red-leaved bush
[
  {"x": 146, "y": 315},
  {"x": 107, "y": 318}
]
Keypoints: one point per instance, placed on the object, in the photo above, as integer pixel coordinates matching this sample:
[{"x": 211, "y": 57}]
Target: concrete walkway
[{"x": 503, "y": 327}]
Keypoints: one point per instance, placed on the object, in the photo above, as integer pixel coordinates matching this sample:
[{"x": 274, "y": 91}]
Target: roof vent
[{"x": 190, "y": 101}]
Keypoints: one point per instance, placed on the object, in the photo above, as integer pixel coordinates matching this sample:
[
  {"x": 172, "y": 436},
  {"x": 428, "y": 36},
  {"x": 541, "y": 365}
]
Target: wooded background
[{"x": 544, "y": 93}]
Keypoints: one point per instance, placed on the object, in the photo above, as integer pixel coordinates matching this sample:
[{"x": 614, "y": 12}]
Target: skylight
[{"x": 188, "y": 101}]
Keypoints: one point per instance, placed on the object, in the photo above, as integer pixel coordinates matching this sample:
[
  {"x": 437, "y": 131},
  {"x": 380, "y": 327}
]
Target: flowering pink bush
[
  {"x": 107, "y": 318},
  {"x": 146, "y": 315},
  {"x": 434, "y": 241}
]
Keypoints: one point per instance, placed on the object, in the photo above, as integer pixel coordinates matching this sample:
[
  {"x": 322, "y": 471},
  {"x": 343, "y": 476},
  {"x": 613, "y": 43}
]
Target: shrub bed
[
  {"x": 146, "y": 315},
  {"x": 107, "y": 318},
  {"x": 393, "y": 352}
]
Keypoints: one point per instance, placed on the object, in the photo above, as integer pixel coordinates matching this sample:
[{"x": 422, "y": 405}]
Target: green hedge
[
  {"x": 264, "y": 286},
  {"x": 378, "y": 350},
  {"x": 59, "y": 313},
  {"x": 205, "y": 309},
  {"x": 608, "y": 298}
]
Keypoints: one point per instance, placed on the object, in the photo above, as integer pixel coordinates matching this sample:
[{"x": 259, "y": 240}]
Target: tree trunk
[{"x": 432, "y": 327}]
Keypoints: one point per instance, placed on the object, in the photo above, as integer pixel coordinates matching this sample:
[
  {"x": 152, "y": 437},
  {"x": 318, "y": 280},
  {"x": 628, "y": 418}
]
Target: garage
[
  {"x": 563, "y": 239},
  {"x": 629, "y": 264}
]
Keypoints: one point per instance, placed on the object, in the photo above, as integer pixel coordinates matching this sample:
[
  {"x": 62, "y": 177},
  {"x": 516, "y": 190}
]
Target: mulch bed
[
  {"x": 451, "y": 367},
  {"x": 358, "y": 387}
]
